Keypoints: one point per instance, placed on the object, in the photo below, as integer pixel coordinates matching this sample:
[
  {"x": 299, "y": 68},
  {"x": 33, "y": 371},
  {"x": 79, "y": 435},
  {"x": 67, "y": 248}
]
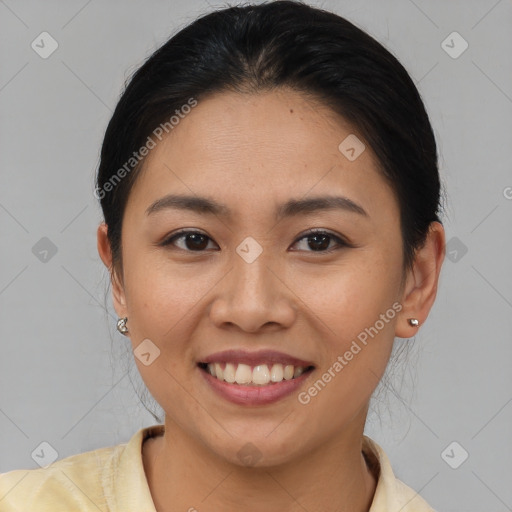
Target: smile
[{"x": 258, "y": 375}]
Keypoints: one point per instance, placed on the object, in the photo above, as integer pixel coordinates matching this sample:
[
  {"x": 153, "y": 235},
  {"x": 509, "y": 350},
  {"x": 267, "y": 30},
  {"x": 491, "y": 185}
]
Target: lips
[{"x": 254, "y": 378}]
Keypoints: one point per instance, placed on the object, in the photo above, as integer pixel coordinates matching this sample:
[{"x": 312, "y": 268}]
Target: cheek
[
  {"x": 356, "y": 347},
  {"x": 350, "y": 297},
  {"x": 163, "y": 302},
  {"x": 356, "y": 310},
  {"x": 160, "y": 294}
]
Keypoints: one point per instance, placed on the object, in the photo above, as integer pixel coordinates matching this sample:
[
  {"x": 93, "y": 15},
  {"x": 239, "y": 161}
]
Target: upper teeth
[{"x": 259, "y": 375}]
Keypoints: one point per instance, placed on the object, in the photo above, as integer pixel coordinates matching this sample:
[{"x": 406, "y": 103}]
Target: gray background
[{"x": 66, "y": 375}]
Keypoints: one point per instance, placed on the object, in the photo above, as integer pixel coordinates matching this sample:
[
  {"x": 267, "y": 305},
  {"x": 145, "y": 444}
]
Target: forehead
[{"x": 259, "y": 148}]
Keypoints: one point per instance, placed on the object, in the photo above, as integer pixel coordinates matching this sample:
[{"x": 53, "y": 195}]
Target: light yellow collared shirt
[{"x": 112, "y": 479}]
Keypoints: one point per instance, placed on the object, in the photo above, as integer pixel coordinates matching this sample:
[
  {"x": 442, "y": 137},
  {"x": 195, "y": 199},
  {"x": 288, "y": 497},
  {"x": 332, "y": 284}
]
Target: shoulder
[
  {"x": 391, "y": 494},
  {"x": 105, "y": 479},
  {"x": 73, "y": 483}
]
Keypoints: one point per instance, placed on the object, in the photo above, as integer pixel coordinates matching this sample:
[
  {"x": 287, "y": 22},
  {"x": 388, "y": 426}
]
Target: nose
[{"x": 254, "y": 296}]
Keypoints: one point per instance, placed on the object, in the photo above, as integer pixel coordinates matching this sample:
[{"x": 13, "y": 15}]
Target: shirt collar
[
  {"x": 126, "y": 479},
  {"x": 391, "y": 495}
]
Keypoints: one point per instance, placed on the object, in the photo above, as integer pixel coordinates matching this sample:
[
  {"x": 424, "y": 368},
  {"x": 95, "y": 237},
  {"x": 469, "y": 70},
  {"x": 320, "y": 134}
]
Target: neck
[{"x": 185, "y": 475}]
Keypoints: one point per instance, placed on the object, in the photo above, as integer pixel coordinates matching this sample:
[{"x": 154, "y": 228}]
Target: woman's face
[{"x": 254, "y": 281}]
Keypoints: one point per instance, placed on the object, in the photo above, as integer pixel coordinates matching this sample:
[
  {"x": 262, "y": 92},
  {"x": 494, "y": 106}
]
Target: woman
[{"x": 270, "y": 193}]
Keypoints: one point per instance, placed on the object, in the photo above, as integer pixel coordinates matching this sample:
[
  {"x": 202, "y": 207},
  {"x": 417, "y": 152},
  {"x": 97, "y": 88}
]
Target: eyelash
[{"x": 340, "y": 241}]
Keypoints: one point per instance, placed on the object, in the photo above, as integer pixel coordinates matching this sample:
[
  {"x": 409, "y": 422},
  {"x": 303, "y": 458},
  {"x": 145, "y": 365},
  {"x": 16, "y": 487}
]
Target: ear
[
  {"x": 421, "y": 283},
  {"x": 105, "y": 253}
]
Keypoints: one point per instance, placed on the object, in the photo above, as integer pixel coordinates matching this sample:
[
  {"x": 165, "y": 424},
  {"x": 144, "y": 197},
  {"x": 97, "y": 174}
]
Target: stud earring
[
  {"x": 121, "y": 326},
  {"x": 413, "y": 322}
]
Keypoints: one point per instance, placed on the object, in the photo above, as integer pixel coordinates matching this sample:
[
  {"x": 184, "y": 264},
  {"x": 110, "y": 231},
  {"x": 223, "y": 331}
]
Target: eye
[
  {"x": 318, "y": 241},
  {"x": 194, "y": 241},
  {"x": 321, "y": 240}
]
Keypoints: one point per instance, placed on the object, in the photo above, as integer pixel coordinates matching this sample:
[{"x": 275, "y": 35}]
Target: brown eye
[
  {"x": 192, "y": 240},
  {"x": 319, "y": 241}
]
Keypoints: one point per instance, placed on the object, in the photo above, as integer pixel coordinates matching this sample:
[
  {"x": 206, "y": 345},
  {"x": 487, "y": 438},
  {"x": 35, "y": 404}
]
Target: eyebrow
[{"x": 290, "y": 208}]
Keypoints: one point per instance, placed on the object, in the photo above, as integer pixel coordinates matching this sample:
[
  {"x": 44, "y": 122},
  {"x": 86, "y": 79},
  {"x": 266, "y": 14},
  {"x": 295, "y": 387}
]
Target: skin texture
[{"x": 253, "y": 152}]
